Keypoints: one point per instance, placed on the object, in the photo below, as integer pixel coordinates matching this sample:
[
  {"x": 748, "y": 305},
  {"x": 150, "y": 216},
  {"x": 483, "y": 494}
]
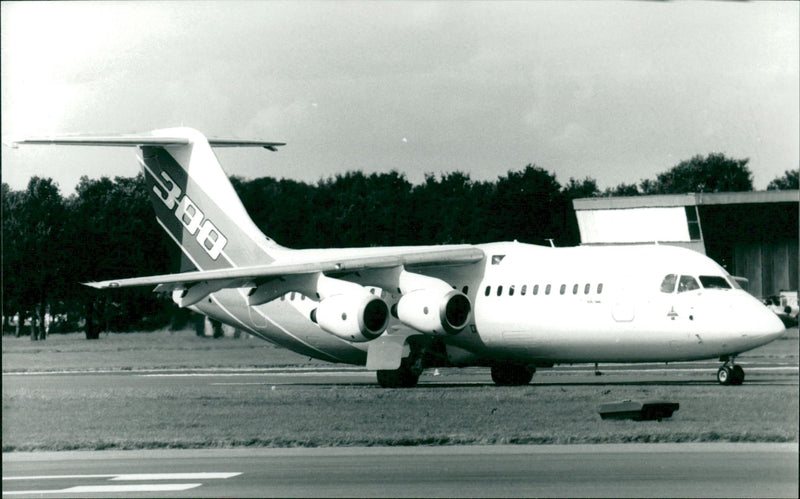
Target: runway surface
[
  {"x": 626, "y": 470},
  {"x": 610, "y": 470}
]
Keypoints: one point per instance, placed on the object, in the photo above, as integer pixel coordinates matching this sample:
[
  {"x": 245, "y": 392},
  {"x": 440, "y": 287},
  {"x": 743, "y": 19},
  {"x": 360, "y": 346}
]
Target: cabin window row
[{"x": 546, "y": 289}]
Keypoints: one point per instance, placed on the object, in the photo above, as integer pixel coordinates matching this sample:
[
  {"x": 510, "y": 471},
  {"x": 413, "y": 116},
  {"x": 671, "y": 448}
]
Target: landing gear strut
[
  {"x": 512, "y": 374},
  {"x": 730, "y": 373}
]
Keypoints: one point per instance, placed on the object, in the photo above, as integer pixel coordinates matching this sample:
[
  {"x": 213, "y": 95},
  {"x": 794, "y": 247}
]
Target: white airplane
[{"x": 398, "y": 310}]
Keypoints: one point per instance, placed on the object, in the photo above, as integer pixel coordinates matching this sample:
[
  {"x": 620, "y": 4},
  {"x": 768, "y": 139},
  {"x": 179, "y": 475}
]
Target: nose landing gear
[{"x": 730, "y": 373}]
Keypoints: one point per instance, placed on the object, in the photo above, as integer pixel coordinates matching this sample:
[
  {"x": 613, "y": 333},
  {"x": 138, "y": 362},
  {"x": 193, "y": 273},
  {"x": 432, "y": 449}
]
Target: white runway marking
[
  {"x": 108, "y": 489},
  {"x": 121, "y": 477},
  {"x": 175, "y": 476},
  {"x": 132, "y": 476}
]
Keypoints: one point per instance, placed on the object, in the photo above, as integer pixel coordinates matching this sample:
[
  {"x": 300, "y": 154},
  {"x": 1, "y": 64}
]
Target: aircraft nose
[
  {"x": 750, "y": 318},
  {"x": 769, "y": 325}
]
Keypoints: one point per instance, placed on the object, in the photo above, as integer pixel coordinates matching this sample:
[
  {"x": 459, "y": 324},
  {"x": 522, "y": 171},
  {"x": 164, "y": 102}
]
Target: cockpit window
[
  {"x": 668, "y": 284},
  {"x": 687, "y": 283},
  {"x": 714, "y": 282}
]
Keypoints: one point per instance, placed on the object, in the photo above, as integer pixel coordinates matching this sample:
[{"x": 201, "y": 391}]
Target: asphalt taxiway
[{"x": 625, "y": 470}]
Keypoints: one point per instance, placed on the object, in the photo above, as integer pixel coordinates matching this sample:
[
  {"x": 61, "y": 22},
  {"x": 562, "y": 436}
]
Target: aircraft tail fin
[{"x": 193, "y": 199}]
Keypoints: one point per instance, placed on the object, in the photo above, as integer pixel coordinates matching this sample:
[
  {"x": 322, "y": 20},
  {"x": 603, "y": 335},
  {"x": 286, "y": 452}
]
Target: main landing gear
[
  {"x": 730, "y": 373},
  {"x": 512, "y": 374},
  {"x": 406, "y": 376}
]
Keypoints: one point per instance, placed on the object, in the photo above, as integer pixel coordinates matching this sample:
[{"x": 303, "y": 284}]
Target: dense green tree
[
  {"x": 713, "y": 173},
  {"x": 34, "y": 263},
  {"x": 529, "y": 205},
  {"x": 114, "y": 234},
  {"x": 357, "y": 210},
  {"x": 13, "y": 301},
  {"x": 447, "y": 209},
  {"x": 280, "y": 208},
  {"x": 586, "y": 188},
  {"x": 622, "y": 189},
  {"x": 788, "y": 181}
]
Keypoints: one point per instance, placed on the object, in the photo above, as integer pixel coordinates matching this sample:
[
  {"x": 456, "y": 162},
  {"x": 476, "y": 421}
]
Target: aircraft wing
[{"x": 305, "y": 264}]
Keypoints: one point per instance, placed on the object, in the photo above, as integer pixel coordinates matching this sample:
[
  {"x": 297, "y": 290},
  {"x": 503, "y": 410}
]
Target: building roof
[{"x": 692, "y": 199}]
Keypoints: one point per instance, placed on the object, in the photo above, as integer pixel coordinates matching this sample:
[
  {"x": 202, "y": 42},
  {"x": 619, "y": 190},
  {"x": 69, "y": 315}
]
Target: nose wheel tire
[{"x": 730, "y": 375}]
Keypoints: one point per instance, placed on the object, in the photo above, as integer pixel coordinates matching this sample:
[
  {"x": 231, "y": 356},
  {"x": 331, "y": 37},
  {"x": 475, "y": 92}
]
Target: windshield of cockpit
[{"x": 684, "y": 283}]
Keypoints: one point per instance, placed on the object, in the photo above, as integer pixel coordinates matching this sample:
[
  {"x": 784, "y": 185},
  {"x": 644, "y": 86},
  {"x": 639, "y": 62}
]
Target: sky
[{"x": 614, "y": 91}]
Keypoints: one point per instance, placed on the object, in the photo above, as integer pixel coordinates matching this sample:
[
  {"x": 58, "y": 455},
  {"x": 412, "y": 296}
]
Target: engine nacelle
[
  {"x": 358, "y": 318},
  {"x": 435, "y": 312}
]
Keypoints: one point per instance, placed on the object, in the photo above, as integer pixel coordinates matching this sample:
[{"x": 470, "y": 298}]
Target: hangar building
[{"x": 751, "y": 234}]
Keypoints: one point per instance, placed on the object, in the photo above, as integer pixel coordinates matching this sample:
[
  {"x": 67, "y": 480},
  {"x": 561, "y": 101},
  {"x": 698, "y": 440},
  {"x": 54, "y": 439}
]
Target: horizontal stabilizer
[
  {"x": 102, "y": 140},
  {"x": 137, "y": 140}
]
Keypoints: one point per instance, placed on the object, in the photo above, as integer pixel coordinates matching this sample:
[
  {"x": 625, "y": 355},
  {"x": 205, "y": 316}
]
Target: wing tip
[{"x": 101, "y": 285}]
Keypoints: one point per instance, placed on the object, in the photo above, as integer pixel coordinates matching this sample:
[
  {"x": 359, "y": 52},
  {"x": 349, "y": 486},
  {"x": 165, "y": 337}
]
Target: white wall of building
[{"x": 633, "y": 225}]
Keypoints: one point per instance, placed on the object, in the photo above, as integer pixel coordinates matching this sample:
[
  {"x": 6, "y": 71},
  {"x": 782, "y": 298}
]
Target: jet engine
[
  {"x": 353, "y": 317},
  {"x": 436, "y": 312}
]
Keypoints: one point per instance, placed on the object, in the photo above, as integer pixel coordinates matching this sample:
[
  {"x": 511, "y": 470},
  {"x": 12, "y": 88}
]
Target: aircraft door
[{"x": 622, "y": 309}]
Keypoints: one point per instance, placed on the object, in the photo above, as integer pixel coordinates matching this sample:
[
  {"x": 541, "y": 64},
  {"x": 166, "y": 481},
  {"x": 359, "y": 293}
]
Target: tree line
[{"x": 107, "y": 229}]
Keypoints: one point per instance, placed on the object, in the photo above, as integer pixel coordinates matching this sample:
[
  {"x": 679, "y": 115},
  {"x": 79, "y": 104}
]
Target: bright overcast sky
[{"x": 615, "y": 91}]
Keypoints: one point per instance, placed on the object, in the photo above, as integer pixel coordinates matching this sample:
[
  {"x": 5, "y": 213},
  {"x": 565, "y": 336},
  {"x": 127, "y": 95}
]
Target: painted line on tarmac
[
  {"x": 123, "y": 488},
  {"x": 133, "y": 476},
  {"x": 108, "y": 489}
]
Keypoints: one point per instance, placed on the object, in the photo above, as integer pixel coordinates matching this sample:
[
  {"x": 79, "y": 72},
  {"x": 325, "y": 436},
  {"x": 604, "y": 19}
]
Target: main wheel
[
  {"x": 724, "y": 375},
  {"x": 737, "y": 375},
  {"x": 511, "y": 375},
  {"x": 397, "y": 378}
]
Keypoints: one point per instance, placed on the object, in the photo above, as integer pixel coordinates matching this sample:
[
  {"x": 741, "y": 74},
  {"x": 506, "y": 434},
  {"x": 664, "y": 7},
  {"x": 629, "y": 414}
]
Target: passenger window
[
  {"x": 499, "y": 290},
  {"x": 547, "y": 290},
  {"x": 523, "y": 290},
  {"x": 488, "y": 290},
  {"x": 714, "y": 282},
  {"x": 563, "y": 288},
  {"x": 587, "y": 288},
  {"x": 687, "y": 283},
  {"x": 511, "y": 290},
  {"x": 600, "y": 288},
  {"x": 536, "y": 289},
  {"x": 575, "y": 289},
  {"x": 292, "y": 296},
  {"x": 668, "y": 284}
]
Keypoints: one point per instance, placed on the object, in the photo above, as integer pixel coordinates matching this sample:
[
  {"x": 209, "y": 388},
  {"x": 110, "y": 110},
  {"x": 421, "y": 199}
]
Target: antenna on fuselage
[{"x": 551, "y": 242}]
